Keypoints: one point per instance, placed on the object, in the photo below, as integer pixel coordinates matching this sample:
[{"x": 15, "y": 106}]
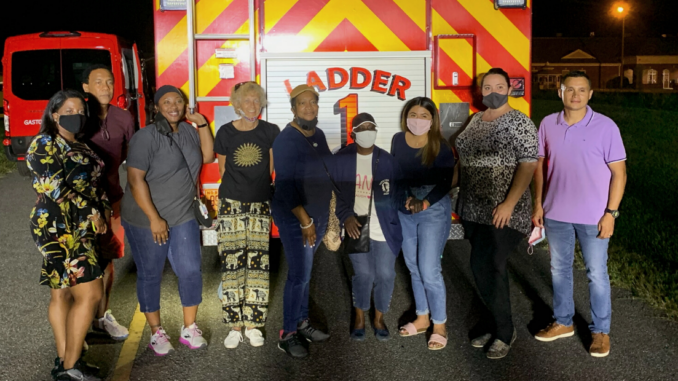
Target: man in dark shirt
[{"x": 108, "y": 133}]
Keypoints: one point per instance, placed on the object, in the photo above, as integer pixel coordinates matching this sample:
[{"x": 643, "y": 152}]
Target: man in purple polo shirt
[
  {"x": 108, "y": 131},
  {"x": 585, "y": 179}
]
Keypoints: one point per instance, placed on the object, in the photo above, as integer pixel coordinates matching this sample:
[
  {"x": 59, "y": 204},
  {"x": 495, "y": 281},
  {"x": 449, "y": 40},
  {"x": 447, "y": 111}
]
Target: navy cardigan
[{"x": 388, "y": 192}]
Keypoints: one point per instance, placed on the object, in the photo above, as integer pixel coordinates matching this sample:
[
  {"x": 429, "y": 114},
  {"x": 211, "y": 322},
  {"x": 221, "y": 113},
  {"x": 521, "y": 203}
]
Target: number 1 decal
[{"x": 347, "y": 107}]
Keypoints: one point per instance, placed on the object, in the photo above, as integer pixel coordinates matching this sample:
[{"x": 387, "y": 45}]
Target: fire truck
[
  {"x": 361, "y": 56},
  {"x": 36, "y": 66}
]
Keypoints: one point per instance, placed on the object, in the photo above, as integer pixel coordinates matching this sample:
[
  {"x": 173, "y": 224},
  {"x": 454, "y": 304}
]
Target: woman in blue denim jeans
[
  {"x": 427, "y": 162},
  {"x": 163, "y": 164}
]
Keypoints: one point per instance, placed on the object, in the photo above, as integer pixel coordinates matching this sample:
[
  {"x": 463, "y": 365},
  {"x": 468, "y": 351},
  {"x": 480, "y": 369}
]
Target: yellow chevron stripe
[
  {"x": 444, "y": 96},
  {"x": 275, "y": 10},
  {"x": 515, "y": 42},
  {"x": 317, "y": 30},
  {"x": 415, "y": 9},
  {"x": 520, "y": 104},
  {"x": 176, "y": 41},
  {"x": 460, "y": 51}
]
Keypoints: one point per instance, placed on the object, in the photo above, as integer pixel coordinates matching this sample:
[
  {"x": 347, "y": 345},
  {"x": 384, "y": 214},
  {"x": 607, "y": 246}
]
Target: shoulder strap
[{"x": 188, "y": 167}]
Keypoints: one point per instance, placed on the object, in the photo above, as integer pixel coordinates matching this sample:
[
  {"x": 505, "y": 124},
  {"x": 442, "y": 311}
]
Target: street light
[{"x": 622, "y": 9}]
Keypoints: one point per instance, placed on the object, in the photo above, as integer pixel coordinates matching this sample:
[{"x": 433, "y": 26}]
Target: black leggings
[{"x": 490, "y": 249}]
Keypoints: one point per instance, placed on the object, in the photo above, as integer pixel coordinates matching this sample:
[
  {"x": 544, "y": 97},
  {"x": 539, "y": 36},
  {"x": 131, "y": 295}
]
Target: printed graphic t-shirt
[
  {"x": 363, "y": 193},
  {"x": 247, "y": 176}
]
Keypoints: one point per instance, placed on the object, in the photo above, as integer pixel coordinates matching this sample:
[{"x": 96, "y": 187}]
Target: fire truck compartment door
[
  {"x": 223, "y": 115},
  {"x": 349, "y": 83},
  {"x": 453, "y": 117}
]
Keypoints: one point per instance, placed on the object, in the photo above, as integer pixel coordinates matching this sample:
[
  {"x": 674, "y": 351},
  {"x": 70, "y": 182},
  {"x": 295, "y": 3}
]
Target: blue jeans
[
  {"x": 561, "y": 238},
  {"x": 375, "y": 268},
  {"x": 183, "y": 251},
  {"x": 424, "y": 238},
  {"x": 300, "y": 264}
]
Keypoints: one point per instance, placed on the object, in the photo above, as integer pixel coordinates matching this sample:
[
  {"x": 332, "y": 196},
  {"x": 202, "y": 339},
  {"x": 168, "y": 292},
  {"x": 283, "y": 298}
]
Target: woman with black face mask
[
  {"x": 300, "y": 209},
  {"x": 70, "y": 210},
  {"x": 498, "y": 155}
]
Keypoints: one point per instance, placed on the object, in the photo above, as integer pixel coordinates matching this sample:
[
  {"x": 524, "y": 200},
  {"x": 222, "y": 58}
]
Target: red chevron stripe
[
  {"x": 520, "y": 18},
  {"x": 345, "y": 37},
  {"x": 487, "y": 46},
  {"x": 297, "y": 17},
  {"x": 170, "y": 19},
  {"x": 399, "y": 22}
]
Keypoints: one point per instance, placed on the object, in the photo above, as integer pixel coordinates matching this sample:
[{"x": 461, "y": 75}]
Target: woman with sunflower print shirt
[
  {"x": 243, "y": 148},
  {"x": 71, "y": 208}
]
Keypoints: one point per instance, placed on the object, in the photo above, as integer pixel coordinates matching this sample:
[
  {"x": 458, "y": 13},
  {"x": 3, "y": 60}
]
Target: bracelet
[
  {"x": 203, "y": 125},
  {"x": 307, "y": 226}
]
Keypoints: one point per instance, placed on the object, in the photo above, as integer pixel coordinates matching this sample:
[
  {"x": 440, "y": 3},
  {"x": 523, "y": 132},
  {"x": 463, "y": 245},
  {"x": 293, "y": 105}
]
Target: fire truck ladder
[{"x": 192, "y": 37}]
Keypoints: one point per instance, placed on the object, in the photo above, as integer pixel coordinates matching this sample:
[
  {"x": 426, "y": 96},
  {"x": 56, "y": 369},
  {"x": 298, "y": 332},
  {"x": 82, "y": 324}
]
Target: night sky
[{"x": 132, "y": 19}]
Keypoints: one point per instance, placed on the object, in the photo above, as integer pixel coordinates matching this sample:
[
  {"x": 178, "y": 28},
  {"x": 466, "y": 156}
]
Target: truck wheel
[{"x": 22, "y": 168}]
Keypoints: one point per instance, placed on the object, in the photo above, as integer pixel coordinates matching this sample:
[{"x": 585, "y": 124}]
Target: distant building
[{"x": 649, "y": 64}]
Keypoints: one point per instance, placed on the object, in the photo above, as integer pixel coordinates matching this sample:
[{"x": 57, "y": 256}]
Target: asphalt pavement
[{"x": 644, "y": 342}]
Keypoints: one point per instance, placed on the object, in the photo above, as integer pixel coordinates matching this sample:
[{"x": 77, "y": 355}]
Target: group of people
[{"x": 387, "y": 202}]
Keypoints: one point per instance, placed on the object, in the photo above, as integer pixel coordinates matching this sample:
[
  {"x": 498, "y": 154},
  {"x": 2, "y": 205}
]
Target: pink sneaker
[
  {"x": 192, "y": 337},
  {"x": 160, "y": 343}
]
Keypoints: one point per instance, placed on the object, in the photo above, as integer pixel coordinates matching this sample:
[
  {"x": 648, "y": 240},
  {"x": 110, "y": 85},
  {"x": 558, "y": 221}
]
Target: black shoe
[
  {"x": 382, "y": 334},
  {"x": 293, "y": 345},
  {"x": 86, "y": 368},
  {"x": 58, "y": 368},
  {"x": 358, "y": 334},
  {"x": 74, "y": 374},
  {"x": 311, "y": 334}
]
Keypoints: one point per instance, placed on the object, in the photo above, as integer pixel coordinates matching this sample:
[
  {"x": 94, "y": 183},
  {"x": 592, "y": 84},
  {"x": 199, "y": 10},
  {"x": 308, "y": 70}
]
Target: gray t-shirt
[{"x": 171, "y": 185}]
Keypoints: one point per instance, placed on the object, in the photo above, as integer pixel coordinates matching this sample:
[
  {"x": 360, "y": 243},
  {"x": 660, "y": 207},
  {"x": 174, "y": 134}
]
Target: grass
[
  {"x": 643, "y": 254},
  {"x": 6, "y": 166}
]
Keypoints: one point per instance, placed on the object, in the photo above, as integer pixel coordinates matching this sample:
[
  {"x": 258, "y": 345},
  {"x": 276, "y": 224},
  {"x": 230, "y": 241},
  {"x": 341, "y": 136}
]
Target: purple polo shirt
[
  {"x": 578, "y": 179},
  {"x": 111, "y": 147}
]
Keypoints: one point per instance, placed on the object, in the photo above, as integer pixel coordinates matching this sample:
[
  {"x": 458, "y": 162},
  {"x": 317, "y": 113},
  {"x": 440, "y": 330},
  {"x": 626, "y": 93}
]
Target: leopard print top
[{"x": 490, "y": 153}]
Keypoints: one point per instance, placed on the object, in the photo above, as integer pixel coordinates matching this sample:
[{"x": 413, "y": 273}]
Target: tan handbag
[{"x": 332, "y": 238}]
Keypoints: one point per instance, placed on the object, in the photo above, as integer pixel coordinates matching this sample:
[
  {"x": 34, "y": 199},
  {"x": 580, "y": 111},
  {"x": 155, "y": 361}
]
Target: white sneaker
[
  {"x": 255, "y": 336},
  {"x": 160, "y": 343},
  {"x": 111, "y": 326},
  {"x": 192, "y": 337},
  {"x": 233, "y": 339}
]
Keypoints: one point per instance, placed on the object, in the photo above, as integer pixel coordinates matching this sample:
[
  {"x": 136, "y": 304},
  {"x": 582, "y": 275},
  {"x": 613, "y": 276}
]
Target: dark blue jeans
[
  {"x": 375, "y": 269},
  {"x": 183, "y": 251},
  {"x": 300, "y": 264}
]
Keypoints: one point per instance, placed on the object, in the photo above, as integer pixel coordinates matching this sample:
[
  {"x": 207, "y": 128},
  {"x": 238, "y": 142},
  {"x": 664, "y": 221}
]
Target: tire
[{"x": 22, "y": 168}]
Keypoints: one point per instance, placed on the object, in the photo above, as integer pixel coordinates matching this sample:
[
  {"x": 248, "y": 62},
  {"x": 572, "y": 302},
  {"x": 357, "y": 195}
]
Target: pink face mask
[
  {"x": 418, "y": 126},
  {"x": 538, "y": 235}
]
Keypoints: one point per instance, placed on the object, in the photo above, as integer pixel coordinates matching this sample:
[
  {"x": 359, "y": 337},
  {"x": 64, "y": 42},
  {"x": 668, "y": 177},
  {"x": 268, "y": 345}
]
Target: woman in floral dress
[{"x": 71, "y": 208}]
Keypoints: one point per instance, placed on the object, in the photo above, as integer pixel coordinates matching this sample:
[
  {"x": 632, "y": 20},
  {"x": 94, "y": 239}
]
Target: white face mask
[{"x": 366, "y": 139}]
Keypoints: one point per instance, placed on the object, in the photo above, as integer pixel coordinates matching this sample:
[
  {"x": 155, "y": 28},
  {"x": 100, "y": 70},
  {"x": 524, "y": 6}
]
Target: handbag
[
  {"x": 362, "y": 243},
  {"x": 200, "y": 210}
]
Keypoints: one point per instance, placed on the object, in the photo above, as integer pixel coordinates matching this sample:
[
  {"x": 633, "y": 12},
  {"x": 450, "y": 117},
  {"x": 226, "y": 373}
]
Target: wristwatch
[{"x": 614, "y": 213}]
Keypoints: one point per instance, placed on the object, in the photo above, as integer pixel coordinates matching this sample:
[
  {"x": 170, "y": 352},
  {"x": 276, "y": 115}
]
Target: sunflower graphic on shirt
[{"x": 247, "y": 155}]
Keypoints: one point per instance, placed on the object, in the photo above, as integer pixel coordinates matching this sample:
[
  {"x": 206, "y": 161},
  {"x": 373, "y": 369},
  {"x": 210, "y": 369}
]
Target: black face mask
[
  {"x": 72, "y": 123},
  {"x": 495, "y": 100},
  {"x": 307, "y": 124}
]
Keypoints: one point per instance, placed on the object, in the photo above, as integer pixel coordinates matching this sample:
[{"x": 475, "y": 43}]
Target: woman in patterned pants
[{"x": 245, "y": 163}]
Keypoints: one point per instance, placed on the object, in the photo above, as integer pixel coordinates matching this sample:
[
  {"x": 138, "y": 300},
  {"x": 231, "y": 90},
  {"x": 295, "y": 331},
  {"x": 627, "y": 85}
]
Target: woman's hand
[
  {"x": 538, "y": 216},
  {"x": 416, "y": 205},
  {"x": 196, "y": 118},
  {"x": 101, "y": 225},
  {"x": 501, "y": 215},
  {"x": 308, "y": 235},
  {"x": 160, "y": 230},
  {"x": 352, "y": 227}
]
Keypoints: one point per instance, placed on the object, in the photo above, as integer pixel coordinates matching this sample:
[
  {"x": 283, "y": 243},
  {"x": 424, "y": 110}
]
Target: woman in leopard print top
[{"x": 498, "y": 154}]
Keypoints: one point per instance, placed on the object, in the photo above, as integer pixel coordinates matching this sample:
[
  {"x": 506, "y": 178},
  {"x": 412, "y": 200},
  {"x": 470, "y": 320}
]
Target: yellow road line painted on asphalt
[{"x": 123, "y": 368}]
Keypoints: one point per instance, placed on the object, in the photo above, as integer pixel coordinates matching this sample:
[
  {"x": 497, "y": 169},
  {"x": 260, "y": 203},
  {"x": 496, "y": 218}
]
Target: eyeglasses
[{"x": 237, "y": 86}]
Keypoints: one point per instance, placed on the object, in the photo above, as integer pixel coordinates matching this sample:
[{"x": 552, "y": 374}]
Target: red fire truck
[
  {"x": 35, "y": 66},
  {"x": 361, "y": 55}
]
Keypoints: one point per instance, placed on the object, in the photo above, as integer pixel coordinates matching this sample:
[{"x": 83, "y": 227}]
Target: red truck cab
[{"x": 36, "y": 66}]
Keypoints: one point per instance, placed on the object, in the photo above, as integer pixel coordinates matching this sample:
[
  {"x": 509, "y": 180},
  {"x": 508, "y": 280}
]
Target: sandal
[
  {"x": 438, "y": 339},
  {"x": 411, "y": 330}
]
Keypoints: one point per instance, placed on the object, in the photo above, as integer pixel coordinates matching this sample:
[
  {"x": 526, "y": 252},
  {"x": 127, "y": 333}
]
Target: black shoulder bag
[{"x": 200, "y": 211}]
